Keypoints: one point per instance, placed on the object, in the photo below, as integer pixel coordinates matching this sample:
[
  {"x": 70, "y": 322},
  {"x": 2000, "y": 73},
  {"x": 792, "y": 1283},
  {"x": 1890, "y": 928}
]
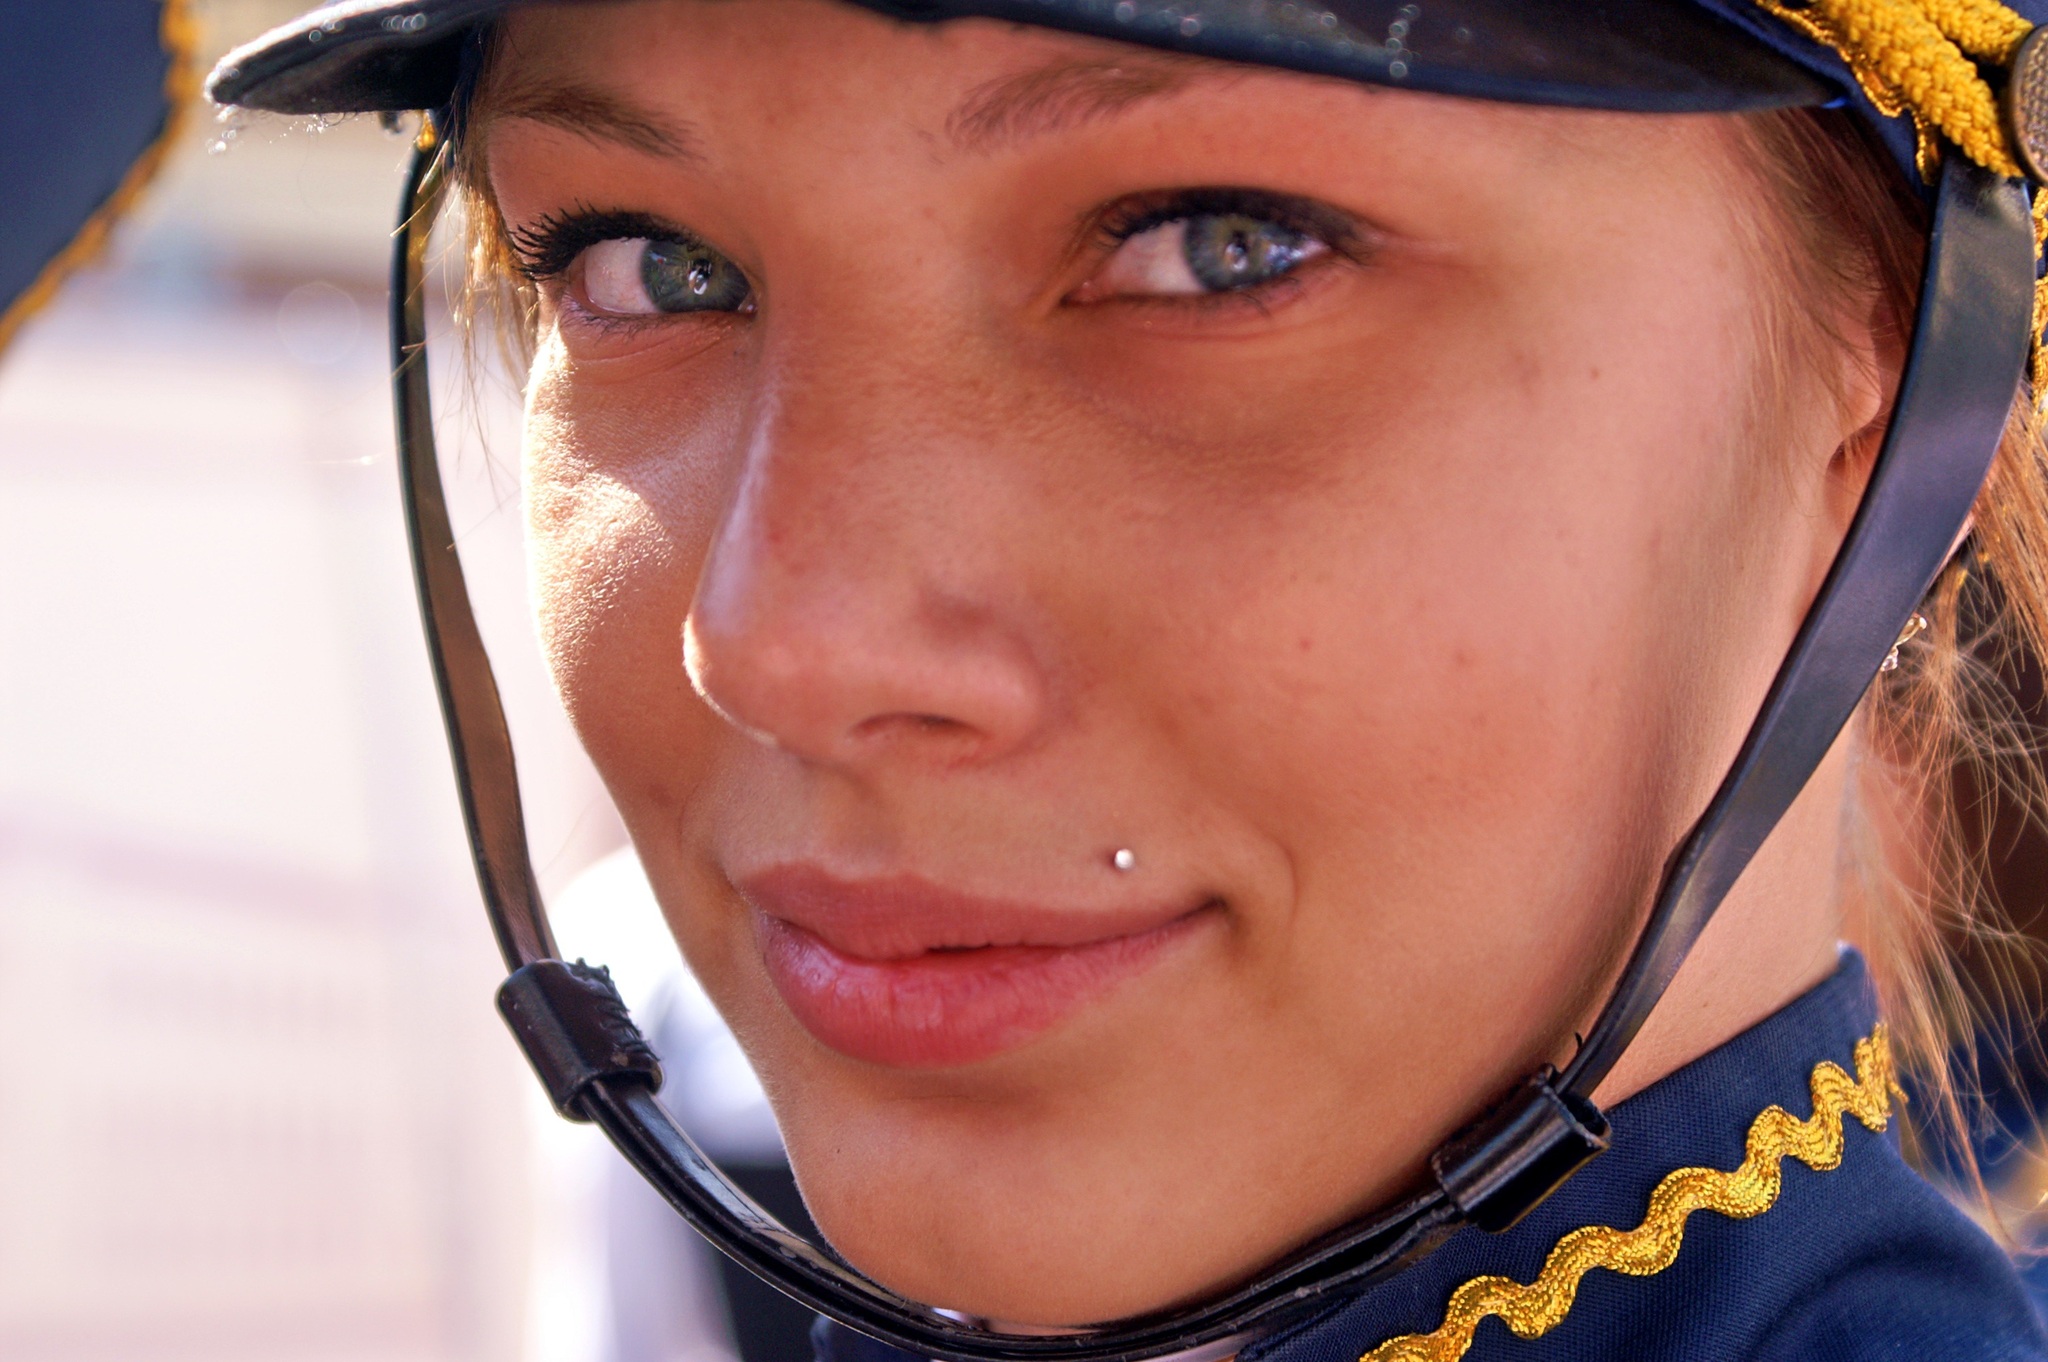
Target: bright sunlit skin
[{"x": 992, "y": 450}]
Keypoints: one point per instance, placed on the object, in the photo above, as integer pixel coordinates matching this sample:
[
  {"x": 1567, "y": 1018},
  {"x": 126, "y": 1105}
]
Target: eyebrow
[
  {"x": 596, "y": 115},
  {"x": 1014, "y": 109},
  {"x": 993, "y": 116}
]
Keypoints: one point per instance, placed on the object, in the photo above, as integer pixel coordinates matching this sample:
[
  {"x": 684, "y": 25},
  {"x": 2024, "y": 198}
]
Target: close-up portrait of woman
[{"x": 1328, "y": 684}]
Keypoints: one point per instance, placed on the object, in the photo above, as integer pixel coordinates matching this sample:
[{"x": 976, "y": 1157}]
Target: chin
[
  {"x": 966, "y": 1222},
  {"x": 986, "y": 1207},
  {"x": 1027, "y": 1270}
]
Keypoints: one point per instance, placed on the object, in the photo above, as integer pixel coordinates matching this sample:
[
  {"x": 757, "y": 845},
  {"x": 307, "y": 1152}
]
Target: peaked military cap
[{"x": 1648, "y": 56}]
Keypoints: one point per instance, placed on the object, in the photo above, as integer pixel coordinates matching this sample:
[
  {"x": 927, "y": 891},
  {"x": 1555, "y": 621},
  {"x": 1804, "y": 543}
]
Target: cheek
[
  {"x": 1452, "y": 680},
  {"x": 620, "y": 501}
]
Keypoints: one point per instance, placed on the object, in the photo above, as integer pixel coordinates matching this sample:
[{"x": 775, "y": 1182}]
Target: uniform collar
[
  {"x": 1676, "y": 1273},
  {"x": 1846, "y": 1253}
]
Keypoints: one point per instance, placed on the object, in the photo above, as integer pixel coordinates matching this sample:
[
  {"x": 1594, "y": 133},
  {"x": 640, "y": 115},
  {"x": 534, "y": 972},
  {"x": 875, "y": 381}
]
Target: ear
[{"x": 1870, "y": 359}]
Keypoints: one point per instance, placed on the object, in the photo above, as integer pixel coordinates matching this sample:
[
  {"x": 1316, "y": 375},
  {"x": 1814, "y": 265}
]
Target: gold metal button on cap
[{"x": 2026, "y": 104}]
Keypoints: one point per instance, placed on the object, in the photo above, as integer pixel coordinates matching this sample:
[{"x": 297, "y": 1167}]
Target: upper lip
[{"x": 897, "y": 917}]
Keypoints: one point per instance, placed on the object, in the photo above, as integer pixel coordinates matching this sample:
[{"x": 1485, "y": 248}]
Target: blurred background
[{"x": 255, "y": 1101}]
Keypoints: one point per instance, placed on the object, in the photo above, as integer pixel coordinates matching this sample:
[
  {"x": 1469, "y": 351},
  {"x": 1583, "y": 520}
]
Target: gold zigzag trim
[
  {"x": 1534, "y": 1310},
  {"x": 179, "y": 33}
]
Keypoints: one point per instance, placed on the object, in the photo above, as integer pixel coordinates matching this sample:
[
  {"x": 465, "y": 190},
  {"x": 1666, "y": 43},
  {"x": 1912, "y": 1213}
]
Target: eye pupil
[
  {"x": 1234, "y": 250},
  {"x": 686, "y": 276}
]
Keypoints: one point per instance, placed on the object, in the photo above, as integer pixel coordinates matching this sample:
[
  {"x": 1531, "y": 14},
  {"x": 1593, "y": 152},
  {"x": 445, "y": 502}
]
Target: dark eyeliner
[
  {"x": 546, "y": 248},
  {"x": 1140, "y": 213}
]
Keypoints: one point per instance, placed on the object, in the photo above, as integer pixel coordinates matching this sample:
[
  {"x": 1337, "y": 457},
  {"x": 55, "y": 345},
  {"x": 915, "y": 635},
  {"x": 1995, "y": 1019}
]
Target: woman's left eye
[
  {"x": 1203, "y": 253},
  {"x": 647, "y": 276}
]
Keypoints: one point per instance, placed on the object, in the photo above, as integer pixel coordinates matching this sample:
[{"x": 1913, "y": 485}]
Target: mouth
[{"x": 900, "y": 971}]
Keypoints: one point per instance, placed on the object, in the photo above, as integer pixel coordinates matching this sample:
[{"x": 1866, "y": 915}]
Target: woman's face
[{"x": 1014, "y": 450}]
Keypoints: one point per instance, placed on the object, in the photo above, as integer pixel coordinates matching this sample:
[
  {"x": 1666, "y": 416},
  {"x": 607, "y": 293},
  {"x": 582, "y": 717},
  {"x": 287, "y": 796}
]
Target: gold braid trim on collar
[{"x": 1534, "y": 1310}]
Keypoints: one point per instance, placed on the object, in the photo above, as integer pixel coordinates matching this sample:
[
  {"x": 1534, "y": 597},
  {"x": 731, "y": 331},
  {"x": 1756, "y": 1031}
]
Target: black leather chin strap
[
  {"x": 1962, "y": 378},
  {"x": 1960, "y": 381},
  {"x": 1969, "y": 349}
]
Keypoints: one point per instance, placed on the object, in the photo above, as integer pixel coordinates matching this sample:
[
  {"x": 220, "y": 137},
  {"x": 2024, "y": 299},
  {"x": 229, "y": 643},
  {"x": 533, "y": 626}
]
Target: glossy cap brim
[{"x": 1655, "y": 56}]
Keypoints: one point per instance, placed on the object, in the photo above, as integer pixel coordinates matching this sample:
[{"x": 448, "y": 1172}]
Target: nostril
[
  {"x": 834, "y": 666},
  {"x": 935, "y": 725}
]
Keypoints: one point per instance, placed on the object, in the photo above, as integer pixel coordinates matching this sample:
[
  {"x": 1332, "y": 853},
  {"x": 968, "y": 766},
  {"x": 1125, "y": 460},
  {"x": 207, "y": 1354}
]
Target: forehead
[
  {"x": 834, "y": 105},
  {"x": 630, "y": 71},
  {"x": 787, "y": 90}
]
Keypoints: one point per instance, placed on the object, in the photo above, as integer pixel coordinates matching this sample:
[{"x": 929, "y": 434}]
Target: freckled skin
[{"x": 1410, "y": 616}]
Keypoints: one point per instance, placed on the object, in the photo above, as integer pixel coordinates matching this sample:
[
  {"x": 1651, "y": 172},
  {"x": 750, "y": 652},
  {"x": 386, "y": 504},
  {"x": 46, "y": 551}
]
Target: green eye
[
  {"x": 639, "y": 276},
  {"x": 687, "y": 277},
  {"x": 1228, "y": 251},
  {"x": 1191, "y": 246}
]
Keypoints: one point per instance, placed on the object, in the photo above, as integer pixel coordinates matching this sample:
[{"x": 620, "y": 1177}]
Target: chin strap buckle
[
  {"x": 1502, "y": 1166},
  {"x": 575, "y": 1030}
]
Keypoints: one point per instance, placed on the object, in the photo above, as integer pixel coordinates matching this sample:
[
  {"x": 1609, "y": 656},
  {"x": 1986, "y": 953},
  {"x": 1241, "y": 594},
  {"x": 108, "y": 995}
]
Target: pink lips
[{"x": 899, "y": 971}]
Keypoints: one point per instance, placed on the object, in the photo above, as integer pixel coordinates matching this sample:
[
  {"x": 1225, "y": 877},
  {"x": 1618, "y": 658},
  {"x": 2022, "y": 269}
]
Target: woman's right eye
[{"x": 646, "y": 276}]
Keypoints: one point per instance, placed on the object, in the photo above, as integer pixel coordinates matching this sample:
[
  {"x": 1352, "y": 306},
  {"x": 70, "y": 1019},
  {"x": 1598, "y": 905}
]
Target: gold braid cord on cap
[
  {"x": 1919, "y": 58},
  {"x": 1534, "y": 1310},
  {"x": 2037, "y": 361}
]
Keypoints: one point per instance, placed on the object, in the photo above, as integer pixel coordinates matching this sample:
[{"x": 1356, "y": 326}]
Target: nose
[{"x": 863, "y": 601}]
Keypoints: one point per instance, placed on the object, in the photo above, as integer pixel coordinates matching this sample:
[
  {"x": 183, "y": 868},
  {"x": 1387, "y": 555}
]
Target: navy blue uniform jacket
[{"x": 1851, "y": 1263}]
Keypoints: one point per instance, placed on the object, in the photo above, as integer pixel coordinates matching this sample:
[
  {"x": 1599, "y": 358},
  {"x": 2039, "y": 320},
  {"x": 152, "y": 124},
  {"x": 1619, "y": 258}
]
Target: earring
[
  {"x": 1125, "y": 860},
  {"x": 1914, "y": 628}
]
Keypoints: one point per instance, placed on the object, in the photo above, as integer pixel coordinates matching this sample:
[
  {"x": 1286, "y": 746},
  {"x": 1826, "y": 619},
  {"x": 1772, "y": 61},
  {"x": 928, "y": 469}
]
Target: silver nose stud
[{"x": 1125, "y": 859}]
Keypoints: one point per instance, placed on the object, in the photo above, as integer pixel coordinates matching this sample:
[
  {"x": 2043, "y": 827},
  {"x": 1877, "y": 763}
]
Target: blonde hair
[{"x": 1947, "y": 756}]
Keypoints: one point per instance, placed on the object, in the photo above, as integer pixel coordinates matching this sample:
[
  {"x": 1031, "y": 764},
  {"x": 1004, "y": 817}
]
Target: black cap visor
[{"x": 1646, "y": 56}]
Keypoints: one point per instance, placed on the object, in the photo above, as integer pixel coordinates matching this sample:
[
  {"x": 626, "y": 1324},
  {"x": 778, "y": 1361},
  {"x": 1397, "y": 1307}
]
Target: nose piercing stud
[{"x": 1124, "y": 859}]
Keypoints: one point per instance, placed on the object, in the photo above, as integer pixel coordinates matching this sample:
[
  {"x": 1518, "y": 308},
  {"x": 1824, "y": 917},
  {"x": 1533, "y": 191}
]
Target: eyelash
[
  {"x": 1345, "y": 237},
  {"x": 545, "y": 249},
  {"x": 1142, "y": 212}
]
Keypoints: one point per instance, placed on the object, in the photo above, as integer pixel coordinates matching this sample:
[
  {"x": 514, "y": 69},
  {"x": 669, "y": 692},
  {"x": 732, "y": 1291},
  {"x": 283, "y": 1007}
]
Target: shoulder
[
  {"x": 1901, "y": 1315},
  {"x": 1927, "y": 1284}
]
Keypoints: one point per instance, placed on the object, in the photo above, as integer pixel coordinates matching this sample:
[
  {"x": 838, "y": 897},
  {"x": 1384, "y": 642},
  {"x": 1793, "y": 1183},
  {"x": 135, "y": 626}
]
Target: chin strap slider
[
  {"x": 575, "y": 1030},
  {"x": 1502, "y": 1166}
]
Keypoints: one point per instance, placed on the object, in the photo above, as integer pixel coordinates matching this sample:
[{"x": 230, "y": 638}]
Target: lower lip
[{"x": 946, "y": 1007}]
